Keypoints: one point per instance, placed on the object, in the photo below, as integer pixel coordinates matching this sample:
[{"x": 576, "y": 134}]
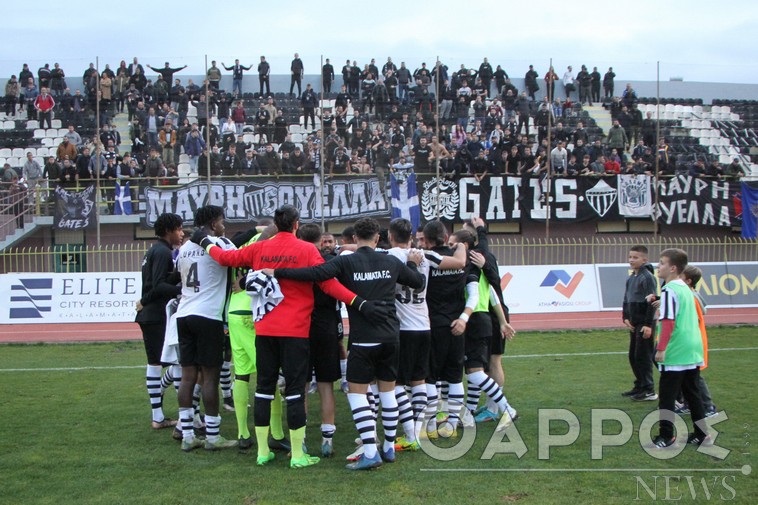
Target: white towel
[
  {"x": 264, "y": 291},
  {"x": 170, "y": 353}
]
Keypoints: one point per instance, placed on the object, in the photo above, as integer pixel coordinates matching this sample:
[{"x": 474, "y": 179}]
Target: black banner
[
  {"x": 340, "y": 198},
  {"x": 693, "y": 200},
  {"x": 504, "y": 199},
  {"x": 74, "y": 210},
  {"x": 682, "y": 199}
]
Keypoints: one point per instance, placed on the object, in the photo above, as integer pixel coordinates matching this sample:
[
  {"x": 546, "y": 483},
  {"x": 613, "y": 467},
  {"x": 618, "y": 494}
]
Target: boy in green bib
[{"x": 679, "y": 352}]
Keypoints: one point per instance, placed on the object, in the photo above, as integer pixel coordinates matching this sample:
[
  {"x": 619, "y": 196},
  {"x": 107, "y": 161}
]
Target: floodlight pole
[
  {"x": 437, "y": 121},
  {"x": 322, "y": 147},
  {"x": 97, "y": 146},
  {"x": 548, "y": 152},
  {"x": 657, "y": 140},
  {"x": 208, "y": 125}
]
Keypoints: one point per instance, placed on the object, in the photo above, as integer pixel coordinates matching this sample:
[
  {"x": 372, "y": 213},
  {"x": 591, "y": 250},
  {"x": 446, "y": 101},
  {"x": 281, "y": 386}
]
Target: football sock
[
  {"x": 196, "y": 398},
  {"x": 389, "y": 418},
  {"x": 186, "y": 417},
  {"x": 212, "y": 425},
  {"x": 455, "y": 402},
  {"x": 444, "y": 389},
  {"x": 405, "y": 413},
  {"x": 431, "y": 408},
  {"x": 275, "y": 419},
  {"x": 261, "y": 437},
  {"x": 491, "y": 406},
  {"x": 153, "y": 383},
  {"x": 472, "y": 396},
  {"x": 343, "y": 368},
  {"x": 241, "y": 393},
  {"x": 373, "y": 400},
  {"x": 297, "y": 437},
  {"x": 364, "y": 422},
  {"x": 225, "y": 379},
  {"x": 418, "y": 402},
  {"x": 490, "y": 388},
  {"x": 169, "y": 378},
  {"x": 327, "y": 433}
]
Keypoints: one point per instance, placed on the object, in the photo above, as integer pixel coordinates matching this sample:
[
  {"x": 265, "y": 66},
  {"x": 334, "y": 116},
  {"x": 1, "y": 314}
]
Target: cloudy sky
[{"x": 698, "y": 40}]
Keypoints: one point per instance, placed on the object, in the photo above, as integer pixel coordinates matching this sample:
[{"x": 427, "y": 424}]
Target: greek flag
[
  {"x": 749, "y": 210},
  {"x": 405, "y": 202},
  {"x": 123, "y": 203}
]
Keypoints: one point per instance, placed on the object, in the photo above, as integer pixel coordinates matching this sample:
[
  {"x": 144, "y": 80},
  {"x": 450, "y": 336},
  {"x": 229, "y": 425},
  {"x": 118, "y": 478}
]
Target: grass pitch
[{"x": 71, "y": 433}]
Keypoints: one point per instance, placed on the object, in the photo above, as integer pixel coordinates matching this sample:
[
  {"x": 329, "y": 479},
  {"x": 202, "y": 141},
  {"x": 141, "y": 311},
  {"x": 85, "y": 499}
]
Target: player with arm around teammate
[{"x": 374, "y": 345}]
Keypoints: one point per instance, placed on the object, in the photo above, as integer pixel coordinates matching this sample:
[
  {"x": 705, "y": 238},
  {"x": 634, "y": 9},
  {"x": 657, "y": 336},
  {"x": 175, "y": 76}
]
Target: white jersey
[
  {"x": 411, "y": 303},
  {"x": 205, "y": 283}
]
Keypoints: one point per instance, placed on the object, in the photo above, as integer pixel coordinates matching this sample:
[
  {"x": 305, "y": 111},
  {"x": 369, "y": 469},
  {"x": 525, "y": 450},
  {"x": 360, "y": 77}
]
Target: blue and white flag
[
  {"x": 123, "y": 203},
  {"x": 405, "y": 202},
  {"x": 749, "y": 210}
]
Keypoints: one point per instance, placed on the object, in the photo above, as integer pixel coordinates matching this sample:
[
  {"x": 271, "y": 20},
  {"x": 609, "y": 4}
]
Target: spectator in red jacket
[
  {"x": 44, "y": 104},
  {"x": 238, "y": 115}
]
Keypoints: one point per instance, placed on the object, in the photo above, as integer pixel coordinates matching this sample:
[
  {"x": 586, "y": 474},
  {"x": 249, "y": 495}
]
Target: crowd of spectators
[{"x": 473, "y": 121}]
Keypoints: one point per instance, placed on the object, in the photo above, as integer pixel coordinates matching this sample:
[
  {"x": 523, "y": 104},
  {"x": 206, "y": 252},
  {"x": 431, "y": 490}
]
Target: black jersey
[
  {"x": 370, "y": 275},
  {"x": 446, "y": 294},
  {"x": 159, "y": 283},
  {"x": 324, "y": 306}
]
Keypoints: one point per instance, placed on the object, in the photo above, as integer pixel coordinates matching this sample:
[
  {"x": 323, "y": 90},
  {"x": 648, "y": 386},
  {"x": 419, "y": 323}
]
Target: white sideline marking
[
  {"x": 608, "y": 353},
  {"x": 554, "y": 355}
]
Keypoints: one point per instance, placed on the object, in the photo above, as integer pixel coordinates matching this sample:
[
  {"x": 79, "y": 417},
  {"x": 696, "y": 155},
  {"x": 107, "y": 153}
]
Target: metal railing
[
  {"x": 509, "y": 251},
  {"x": 590, "y": 250},
  {"x": 74, "y": 258}
]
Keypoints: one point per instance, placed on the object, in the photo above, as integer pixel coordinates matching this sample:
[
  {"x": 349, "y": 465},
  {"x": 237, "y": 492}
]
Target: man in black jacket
[
  {"x": 297, "y": 70},
  {"x": 486, "y": 74},
  {"x": 237, "y": 73},
  {"x": 374, "y": 347},
  {"x": 327, "y": 76},
  {"x": 310, "y": 102},
  {"x": 160, "y": 283},
  {"x": 264, "y": 70},
  {"x": 639, "y": 318}
]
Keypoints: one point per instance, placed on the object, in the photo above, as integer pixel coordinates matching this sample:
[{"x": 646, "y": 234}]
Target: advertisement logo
[
  {"x": 30, "y": 298},
  {"x": 562, "y": 282}
]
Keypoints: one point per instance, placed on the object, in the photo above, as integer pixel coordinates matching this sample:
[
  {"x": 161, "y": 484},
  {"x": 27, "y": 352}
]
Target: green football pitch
[{"x": 75, "y": 430}]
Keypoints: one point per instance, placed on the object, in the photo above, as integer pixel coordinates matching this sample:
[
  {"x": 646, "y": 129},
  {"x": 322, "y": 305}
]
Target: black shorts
[
  {"x": 477, "y": 341},
  {"x": 325, "y": 348},
  {"x": 291, "y": 354},
  {"x": 201, "y": 341},
  {"x": 377, "y": 362},
  {"x": 497, "y": 342},
  {"x": 446, "y": 357},
  {"x": 153, "y": 335},
  {"x": 415, "y": 347}
]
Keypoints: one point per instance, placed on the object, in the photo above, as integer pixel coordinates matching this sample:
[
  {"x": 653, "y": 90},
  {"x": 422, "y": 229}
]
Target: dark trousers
[
  {"x": 523, "y": 120},
  {"x": 670, "y": 384},
  {"x": 43, "y": 117},
  {"x": 296, "y": 79},
  {"x": 263, "y": 80},
  {"x": 10, "y": 105},
  {"x": 327, "y": 86},
  {"x": 292, "y": 355},
  {"x": 641, "y": 354},
  {"x": 595, "y": 95},
  {"x": 309, "y": 112}
]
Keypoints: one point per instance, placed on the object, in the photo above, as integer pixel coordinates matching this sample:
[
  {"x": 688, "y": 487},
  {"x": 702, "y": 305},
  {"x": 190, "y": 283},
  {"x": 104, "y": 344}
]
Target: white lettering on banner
[
  {"x": 470, "y": 202},
  {"x": 245, "y": 201},
  {"x": 561, "y": 197},
  {"x": 69, "y": 297},
  {"x": 515, "y": 183},
  {"x": 538, "y": 205},
  {"x": 496, "y": 207}
]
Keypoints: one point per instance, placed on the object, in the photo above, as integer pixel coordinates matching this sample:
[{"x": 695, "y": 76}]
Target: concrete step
[
  {"x": 601, "y": 117},
  {"x": 121, "y": 122}
]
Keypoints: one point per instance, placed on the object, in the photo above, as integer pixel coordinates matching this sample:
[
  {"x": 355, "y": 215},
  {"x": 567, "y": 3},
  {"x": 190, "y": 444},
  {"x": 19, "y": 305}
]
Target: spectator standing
[
  {"x": 309, "y": 101},
  {"x": 297, "y": 70},
  {"x": 264, "y": 70},
  {"x": 608, "y": 82},
  {"x": 44, "y": 104},
  {"x": 327, "y": 77},
  {"x": 214, "y": 76},
  {"x": 237, "y": 74}
]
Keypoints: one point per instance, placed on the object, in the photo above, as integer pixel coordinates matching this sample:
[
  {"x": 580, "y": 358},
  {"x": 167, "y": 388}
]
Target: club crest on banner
[
  {"x": 601, "y": 197},
  {"x": 634, "y": 193},
  {"x": 445, "y": 194}
]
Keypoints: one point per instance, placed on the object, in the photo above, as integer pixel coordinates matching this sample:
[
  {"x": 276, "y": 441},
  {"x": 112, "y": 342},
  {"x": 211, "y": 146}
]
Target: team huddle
[{"x": 420, "y": 320}]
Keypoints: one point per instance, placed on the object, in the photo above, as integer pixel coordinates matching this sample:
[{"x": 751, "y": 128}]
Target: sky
[{"x": 695, "y": 40}]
